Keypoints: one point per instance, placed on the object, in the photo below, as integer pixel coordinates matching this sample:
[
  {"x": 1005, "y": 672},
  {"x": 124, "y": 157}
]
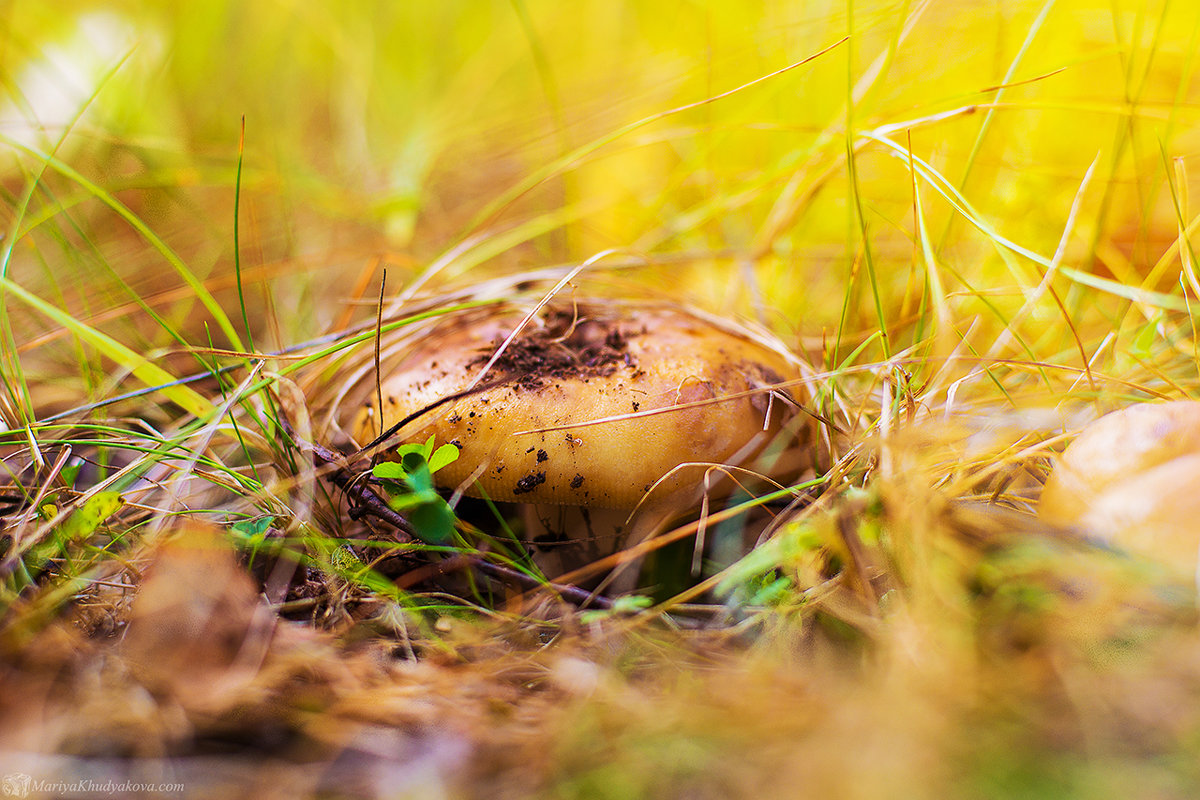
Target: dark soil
[
  {"x": 530, "y": 482},
  {"x": 567, "y": 346}
]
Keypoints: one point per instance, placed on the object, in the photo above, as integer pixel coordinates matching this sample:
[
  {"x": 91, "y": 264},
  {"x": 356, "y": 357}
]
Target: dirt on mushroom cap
[{"x": 522, "y": 432}]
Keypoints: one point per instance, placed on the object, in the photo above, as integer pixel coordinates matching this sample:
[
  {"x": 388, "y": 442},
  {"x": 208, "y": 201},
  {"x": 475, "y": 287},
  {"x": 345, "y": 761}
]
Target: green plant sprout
[{"x": 408, "y": 483}]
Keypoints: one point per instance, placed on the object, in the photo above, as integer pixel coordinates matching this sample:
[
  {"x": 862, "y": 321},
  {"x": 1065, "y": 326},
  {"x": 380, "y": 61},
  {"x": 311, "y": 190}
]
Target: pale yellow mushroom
[
  {"x": 1133, "y": 478},
  {"x": 664, "y": 388}
]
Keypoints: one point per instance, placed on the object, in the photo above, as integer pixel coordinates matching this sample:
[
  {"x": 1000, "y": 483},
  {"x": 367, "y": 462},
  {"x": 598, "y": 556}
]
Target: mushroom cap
[
  {"x": 1133, "y": 478},
  {"x": 521, "y": 431}
]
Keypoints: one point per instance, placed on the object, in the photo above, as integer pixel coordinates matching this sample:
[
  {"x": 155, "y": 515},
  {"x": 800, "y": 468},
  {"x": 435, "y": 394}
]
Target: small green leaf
[
  {"x": 433, "y": 521},
  {"x": 443, "y": 456},
  {"x": 407, "y": 500},
  {"x": 407, "y": 449},
  {"x": 418, "y": 476},
  {"x": 253, "y": 527},
  {"x": 389, "y": 471}
]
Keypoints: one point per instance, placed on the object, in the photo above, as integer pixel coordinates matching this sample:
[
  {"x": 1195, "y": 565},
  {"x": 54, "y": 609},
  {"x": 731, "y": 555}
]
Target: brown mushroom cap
[
  {"x": 520, "y": 431},
  {"x": 1133, "y": 477}
]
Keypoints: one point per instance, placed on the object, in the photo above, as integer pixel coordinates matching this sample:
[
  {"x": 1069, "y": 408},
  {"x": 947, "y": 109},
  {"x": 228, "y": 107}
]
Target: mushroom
[
  {"x": 1133, "y": 478},
  {"x": 600, "y": 406}
]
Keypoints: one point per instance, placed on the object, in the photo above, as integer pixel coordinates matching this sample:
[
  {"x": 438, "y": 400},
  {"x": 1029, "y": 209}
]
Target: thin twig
[
  {"x": 579, "y": 597},
  {"x": 366, "y": 500}
]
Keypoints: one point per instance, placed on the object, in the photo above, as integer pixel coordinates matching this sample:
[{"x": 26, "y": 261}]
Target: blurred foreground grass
[{"x": 968, "y": 215}]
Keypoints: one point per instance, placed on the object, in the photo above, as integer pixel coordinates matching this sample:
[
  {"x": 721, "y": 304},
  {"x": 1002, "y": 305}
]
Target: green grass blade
[
  {"x": 135, "y": 222},
  {"x": 142, "y": 369}
]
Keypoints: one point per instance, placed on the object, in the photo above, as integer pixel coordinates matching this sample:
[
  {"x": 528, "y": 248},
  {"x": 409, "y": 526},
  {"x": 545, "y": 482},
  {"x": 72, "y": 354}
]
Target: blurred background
[{"x": 493, "y": 137}]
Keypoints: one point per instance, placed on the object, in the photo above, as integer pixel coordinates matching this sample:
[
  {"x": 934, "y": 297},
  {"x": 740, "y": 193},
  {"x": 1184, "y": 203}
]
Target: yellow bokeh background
[{"x": 519, "y": 134}]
